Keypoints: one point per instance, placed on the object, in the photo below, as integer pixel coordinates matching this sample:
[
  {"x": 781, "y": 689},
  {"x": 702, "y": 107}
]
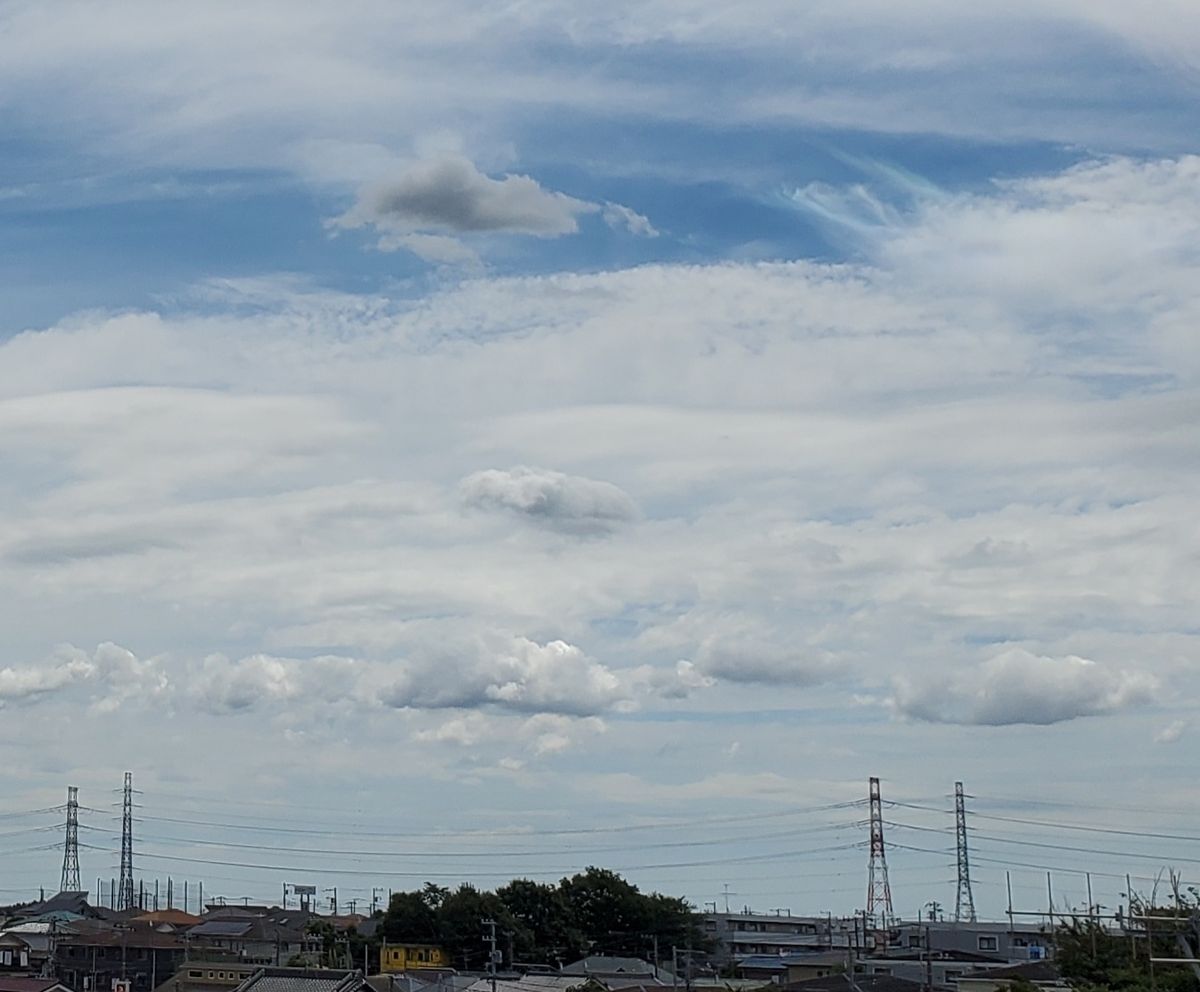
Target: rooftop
[{"x": 303, "y": 980}]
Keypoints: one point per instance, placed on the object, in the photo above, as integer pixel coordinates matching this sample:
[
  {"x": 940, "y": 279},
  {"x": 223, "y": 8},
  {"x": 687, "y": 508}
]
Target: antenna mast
[
  {"x": 964, "y": 905},
  {"x": 70, "y": 869},
  {"x": 125, "y": 891},
  {"x": 879, "y": 892}
]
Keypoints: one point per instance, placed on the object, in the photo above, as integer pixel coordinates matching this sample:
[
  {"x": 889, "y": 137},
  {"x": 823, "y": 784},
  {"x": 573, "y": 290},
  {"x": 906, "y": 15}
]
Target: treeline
[
  {"x": 593, "y": 912},
  {"x": 1096, "y": 957}
]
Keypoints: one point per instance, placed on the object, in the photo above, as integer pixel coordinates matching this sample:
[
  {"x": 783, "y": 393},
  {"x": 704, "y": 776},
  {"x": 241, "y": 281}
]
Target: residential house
[
  {"x": 1043, "y": 974},
  {"x": 396, "y": 959}
]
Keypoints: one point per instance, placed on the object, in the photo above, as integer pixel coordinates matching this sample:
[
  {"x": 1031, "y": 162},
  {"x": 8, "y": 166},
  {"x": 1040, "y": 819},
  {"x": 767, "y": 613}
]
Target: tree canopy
[{"x": 593, "y": 912}]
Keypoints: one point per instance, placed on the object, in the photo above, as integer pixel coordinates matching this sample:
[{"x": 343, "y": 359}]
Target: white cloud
[
  {"x": 1016, "y": 687},
  {"x": 620, "y": 217},
  {"x": 1172, "y": 732},
  {"x": 106, "y": 679}
]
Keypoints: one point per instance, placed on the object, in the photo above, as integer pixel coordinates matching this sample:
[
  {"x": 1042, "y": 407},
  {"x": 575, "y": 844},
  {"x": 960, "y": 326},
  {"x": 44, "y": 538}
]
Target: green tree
[
  {"x": 1092, "y": 956},
  {"x": 547, "y": 928},
  {"x": 412, "y": 917},
  {"x": 461, "y": 928},
  {"x": 615, "y": 918}
]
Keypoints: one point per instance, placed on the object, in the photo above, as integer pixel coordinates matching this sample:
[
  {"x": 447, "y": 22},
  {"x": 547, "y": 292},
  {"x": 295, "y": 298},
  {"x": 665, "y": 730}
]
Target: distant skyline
[{"x": 429, "y": 422}]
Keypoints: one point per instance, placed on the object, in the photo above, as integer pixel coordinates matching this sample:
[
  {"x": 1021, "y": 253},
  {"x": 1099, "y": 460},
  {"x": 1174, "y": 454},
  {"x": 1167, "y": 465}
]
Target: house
[
  {"x": 1043, "y": 974},
  {"x": 852, "y": 982},
  {"x": 303, "y": 980},
  {"x": 92, "y": 954},
  {"x": 16, "y": 954},
  {"x": 1009, "y": 943},
  {"x": 606, "y": 968},
  {"x": 938, "y": 969},
  {"x": 63, "y": 907},
  {"x": 168, "y": 919},
  {"x": 28, "y": 983},
  {"x": 746, "y": 934},
  {"x": 787, "y": 968},
  {"x": 396, "y": 959},
  {"x": 251, "y": 939},
  {"x": 214, "y": 975}
]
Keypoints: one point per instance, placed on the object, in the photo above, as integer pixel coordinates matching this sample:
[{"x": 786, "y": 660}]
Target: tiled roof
[
  {"x": 303, "y": 980},
  {"x": 23, "y": 983}
]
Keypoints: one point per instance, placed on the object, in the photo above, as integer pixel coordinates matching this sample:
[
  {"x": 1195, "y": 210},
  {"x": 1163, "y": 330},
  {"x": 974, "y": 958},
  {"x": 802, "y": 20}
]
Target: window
[
  {"x": 914, "y": 940},
  {"x": 881, "y": 971},
  {"x": 193, "y": 973},
  {"x": 987, "y": 943}
]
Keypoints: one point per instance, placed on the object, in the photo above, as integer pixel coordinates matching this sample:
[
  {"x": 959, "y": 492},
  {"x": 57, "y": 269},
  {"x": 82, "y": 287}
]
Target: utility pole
[
  {"x": 928, "y": 963},
  {"x": 879, "y": 891},
  {"x": 125, "y": 899},
  {"x": 1008, "y": 885},
  {"x": 70, "y": 869},
  {"x": 493, "y": 954},
  {"x": 964, "y": 903}
]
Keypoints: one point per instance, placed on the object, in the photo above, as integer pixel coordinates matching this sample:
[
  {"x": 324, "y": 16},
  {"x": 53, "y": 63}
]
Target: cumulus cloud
[
  {"x": 226, "y": 686},
  {"x": 520, "y": 675},
  {"x": 1019, "y": 687},
  {"x": 678, "y": 682},
  {"x": 550, "y": 499},
  {"x": 108, "y": 677},
  {"x": 30, "y": 682}
]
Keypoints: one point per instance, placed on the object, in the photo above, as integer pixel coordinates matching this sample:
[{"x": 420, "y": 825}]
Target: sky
[{"x": 461, "y": 441}]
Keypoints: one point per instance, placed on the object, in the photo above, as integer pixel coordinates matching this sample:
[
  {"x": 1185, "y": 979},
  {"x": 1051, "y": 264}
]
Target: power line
[
  {"x": 746, "y": 859},
  {"x": 487, "y": 834},
  {"x": 1054, "y": 847},
  {"x": 542, "y": 852}
]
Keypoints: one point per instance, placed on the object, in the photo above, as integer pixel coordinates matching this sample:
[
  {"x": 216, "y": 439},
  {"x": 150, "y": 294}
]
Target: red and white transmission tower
[{"x": 879, "y": 892}]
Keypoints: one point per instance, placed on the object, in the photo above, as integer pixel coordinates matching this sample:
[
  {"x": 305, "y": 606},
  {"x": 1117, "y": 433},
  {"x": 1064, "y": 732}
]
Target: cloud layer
[{"x": 841, "y": 514}]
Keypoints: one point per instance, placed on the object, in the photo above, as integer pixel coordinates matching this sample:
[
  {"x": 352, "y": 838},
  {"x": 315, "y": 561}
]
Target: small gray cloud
[
  {"x": 449, "y": 194},
  {"x": 63, "y": 549},
  {"x": 753, "y": 661},
  {"x": 551, "y": 499},
  {"x": 1171, "y": 732},
  {"x": 1018, "y": 687}
]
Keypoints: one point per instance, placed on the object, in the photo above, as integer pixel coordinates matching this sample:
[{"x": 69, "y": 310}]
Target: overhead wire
[{"x": 540, "y": 853}]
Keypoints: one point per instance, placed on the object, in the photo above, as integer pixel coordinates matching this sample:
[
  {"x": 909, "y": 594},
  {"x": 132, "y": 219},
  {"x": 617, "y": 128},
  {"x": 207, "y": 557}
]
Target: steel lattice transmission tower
[
  {"x": 70, "y": 872},
  {"x": 964, "y": 904},
  {"x": 125, "y": 890},
  {"x": 879, "y": 892}
]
